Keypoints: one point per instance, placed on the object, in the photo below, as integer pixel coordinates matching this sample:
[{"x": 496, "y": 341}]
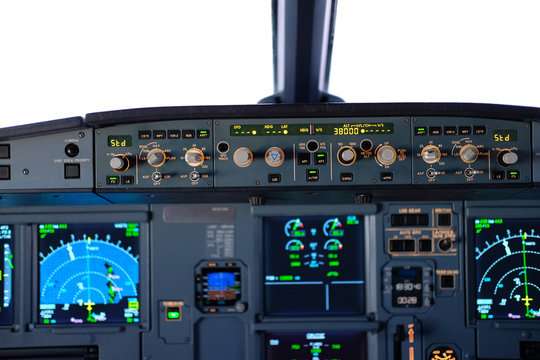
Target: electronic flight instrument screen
[
  {"x": 507, "y": 257},
  {"x": 320, "y": 345},
  {"x": 6, "y": 274},
  {"x": 314, "y": 265},
  {"x": 88, "y": 273}
]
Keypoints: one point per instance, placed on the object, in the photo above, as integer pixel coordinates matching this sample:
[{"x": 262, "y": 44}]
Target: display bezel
[
  {"x": 95, "y": 218},
  {"x": 15, "y": 286},
  {"x": 473, "y": 213}
]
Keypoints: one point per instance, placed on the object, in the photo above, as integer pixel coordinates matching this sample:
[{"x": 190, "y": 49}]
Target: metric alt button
[
  {"x": 243, "y": 157},
  {"x": 366, "y": 145},
  {"x": 304, "y": 158},
  {"x": 274, "y": 156}
]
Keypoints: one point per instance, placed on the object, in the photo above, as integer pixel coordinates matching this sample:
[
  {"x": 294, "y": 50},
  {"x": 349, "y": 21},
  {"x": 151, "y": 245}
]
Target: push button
[
  {"x": 346, "y": 177},
  {"x": 320, "y": 158},
  {"x": 145, "y": 134},
  {"x": 464, "y": 130},
  {"x": 387, "y": 176},
  {"x": 479, "y": 130},
  {"x": 435, "y": 130},
  {"x": 188, "y": 134},
  {"x": 512, "y": 175},
  {"x": 304, "y": 158},
  {"x": 159, "y": 134},
  {"x": 113, "y": 180},
  {"x": 5, "y": 172},
  {"x": 203, "y": 134},
  {"x": 174, "y": 134},
  {"x": 420, "y": 131},
  {"x": 4, "y": 151},
  {"x": 274, "y": 178},
  {"x": 312, "y": 175},
  {"x": 72, "y": 171},
  {"x": 127, "y": 180},
  {"x": 450, "y": 130},
  {"x": 498, "y": 175}
]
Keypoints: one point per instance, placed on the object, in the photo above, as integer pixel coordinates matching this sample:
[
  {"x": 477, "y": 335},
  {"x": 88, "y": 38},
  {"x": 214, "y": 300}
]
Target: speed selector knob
[
  {"x": 119, "y": 163},
  {"x": 156, "y": 158},
  {"x": 194, "y": 157},
  {"x": 469, "y": 154},
  {"x": 507, "y": 158},
  {"x": 346, "y": 155},
  {"x": 243, "y": 157},
  {"x": 386, "y": 155},
  {"x": 431, "y": 154}
]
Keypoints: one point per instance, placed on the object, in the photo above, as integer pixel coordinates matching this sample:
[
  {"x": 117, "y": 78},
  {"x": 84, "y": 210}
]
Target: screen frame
[
  {"x": 96, "y": 218},
  {"x": 364, "y": 210},
  {"x": 472, "y": 213}
]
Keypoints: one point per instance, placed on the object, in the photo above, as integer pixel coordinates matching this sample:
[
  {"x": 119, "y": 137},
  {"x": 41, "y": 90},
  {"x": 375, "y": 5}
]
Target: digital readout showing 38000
[
  {"x": 314, "y": 265},
  {"x": 507, "y": 256},
  {"x": 312, "y": 129},
  {"x": 88, "y": 273}
]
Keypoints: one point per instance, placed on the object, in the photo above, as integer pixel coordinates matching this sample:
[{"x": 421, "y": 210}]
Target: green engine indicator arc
[{"x": 508, "y": 280}]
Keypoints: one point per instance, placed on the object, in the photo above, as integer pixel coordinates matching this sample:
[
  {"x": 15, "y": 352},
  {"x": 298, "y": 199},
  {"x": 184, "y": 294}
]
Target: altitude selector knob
[
  {"x": 386, "y": 155},
  {"x": 346, "y": 155},
  {"x": 468, "y": 154},
  {"x": 156, "y": 158},
  {"x": 243, "y": 157},
  {"x": 119, "y": 163},
  {"x": 507, "y": 158},
  {"x": 194, "y": 157}
]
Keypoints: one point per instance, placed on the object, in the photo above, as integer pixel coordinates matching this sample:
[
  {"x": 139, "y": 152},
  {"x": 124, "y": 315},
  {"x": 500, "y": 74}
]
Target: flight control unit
[{"x": 278, "y": 232}]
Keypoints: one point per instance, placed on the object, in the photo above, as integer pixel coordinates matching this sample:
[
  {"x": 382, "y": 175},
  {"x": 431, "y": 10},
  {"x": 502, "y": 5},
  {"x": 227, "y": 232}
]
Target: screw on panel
[
  {"x": 374, "y": 180},
  {"x": 526, "y": 126},
  {"x": 362, "y": 199},
  {"x": 257, "y": 200},
  {"x": 81, "y": 134},
  {"x": 209, "y": 183},
  {"x": 258, "y": 182},
  {"x": 98, "y": 184},
  {"x": 407, "y": 120},
  {"x": 217, "y": 122},
  {"x": 98, "y": 132},
  {"x": 26, "y": 171},
  {"x": 415, "y": 180},
  {"x": 414, "y": 119},
  {"x": 209, "y": 122}
]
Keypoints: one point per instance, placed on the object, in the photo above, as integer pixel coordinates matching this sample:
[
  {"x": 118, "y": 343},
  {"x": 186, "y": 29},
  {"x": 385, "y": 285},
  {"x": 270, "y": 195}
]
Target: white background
[{"x": 61, "y": 58}]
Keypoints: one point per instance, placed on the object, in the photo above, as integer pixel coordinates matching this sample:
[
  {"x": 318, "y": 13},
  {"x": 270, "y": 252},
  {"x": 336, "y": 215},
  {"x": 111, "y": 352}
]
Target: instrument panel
[{"x": 268, "y": 236}]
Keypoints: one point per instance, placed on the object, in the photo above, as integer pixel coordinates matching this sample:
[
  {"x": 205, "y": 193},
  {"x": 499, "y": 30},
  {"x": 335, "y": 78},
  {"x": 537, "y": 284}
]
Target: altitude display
[
  {"x": 6, "y": 274},
  {"x": 320, "y": 346},
  {"x": 314, "y": 265},
  {"x": 312, "y": 129},
  {"x": 88, "y": 273},
  {"x": 507, "y": 257}
]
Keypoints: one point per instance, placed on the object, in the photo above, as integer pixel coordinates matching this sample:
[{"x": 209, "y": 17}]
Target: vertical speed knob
[
  {"x": 468, "y": 154},
  {"x": 243, "y": 157},
  {"x": 507, "y": 158},
  {"x": 386, "y": 155},
  {"x": 156, "y": 158},
  {"x": 119, "y": 163},
  {"x": 194, "y": 157}
]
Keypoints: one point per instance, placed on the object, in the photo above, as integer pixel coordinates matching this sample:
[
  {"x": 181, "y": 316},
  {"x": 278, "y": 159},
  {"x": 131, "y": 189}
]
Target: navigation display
[
  {"x": 314, "y": 265},
  {"x": 88, "y": 273},
  {"x": 316, "y": 345},
  {"x": 507, "y": 255},
  {"x": 6, "y": 274}
]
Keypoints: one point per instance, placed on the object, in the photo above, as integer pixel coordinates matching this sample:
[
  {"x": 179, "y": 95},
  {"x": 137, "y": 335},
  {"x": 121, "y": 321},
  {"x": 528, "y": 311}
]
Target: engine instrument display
[
  {"x": 314, "y": 265},
  {"x": 6, "y": 274},
  {"x": 320, "y": 345},
  {"x": 88, "y": 273},
  {"x": 507, "y": 255}
]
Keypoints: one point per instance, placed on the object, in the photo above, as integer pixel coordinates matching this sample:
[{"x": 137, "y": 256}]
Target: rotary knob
[
  {"x": 119, "y": 163},
  {"x": 156, "y": 158},
  {"x": 243, "y": 157},
  {"x": 346, "y": 155},
  {"x": 431, "y": 154},
  {"x": 194, "y": 157},
  {"x": 274, "y": 156},
  {"x": 507, "y": 158},
  {"x": 386, "y": 155},
  {"x": 469, "y": 154}
]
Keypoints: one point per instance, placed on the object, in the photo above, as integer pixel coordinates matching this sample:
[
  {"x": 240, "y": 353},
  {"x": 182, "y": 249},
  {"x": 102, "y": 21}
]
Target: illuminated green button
[{"x": 173, "y": 313}]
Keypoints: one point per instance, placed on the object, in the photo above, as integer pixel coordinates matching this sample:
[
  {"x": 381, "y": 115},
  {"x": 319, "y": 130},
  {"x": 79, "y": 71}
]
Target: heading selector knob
[
  {"x": 119, "y": 163},
  {"x": 243, "y": 157},
  {"x": 346, "y": 155},
  {"x": 431, "y": 154},
  {"x": 507, "y": 158},
  {"x": 386, "y": 155},
  {"x": 194, "y": 157},
  {"x": 156, "y": 158},
  {"x": 469, "y": 154}
]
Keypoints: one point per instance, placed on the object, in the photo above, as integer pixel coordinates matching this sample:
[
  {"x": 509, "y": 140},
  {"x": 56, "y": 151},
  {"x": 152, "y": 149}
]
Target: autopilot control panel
[{"x": 198, "y": 234}]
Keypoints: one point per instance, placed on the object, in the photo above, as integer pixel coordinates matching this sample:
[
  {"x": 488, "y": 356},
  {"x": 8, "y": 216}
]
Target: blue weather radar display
[{"x": 88, "y": 273}]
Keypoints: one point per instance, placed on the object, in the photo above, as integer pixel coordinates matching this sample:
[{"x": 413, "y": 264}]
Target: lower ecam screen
[{"x": 314, "y": 265}]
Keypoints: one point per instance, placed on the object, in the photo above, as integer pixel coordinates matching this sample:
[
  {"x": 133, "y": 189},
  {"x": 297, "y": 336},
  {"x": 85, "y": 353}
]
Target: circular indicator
[
  {"x": 119, "y": 163},
  {"x": 294, "y": 227},
  {"x": 194, "y": 157},
  {"x": 333, "y": 227},
  {"x": 156, "y": 158},
  {"x": 243, "y": 157},
  {"x": 507, "y": 158},
  {"x": 274, "y": 156},
  {"x": 468, "y": 154},
  {"x": 346, "y": 155},
  {"x": 386, "y": 155},
  {"x": 443, "y": 353},
  {"x": 431, "y": 154}
]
